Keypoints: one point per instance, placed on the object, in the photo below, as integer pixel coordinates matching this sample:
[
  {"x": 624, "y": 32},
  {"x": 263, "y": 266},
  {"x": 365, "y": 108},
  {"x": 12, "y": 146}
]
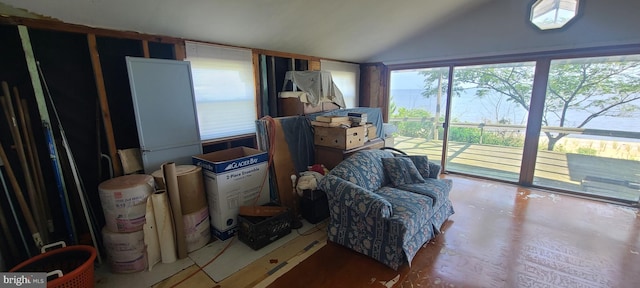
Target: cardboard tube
[
  {"x": 164, "y": 226},
  {"x": 192, "y": 196},
  {"x": 191, "y": 187},
  {"x": 151, "y": 235},
  {"x": 171, "y": 181}
]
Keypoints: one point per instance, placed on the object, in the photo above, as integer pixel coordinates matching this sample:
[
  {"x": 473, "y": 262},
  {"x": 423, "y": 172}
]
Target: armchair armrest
[
  {"x": 434, "y": 170},
  {"x": 355, "y": 197}
]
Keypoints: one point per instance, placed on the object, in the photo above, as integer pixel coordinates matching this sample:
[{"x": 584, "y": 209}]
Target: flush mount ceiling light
[{"x": 553, "y": 14}]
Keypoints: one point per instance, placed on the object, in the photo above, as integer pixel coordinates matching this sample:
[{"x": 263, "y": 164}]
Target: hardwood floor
[{"x": 500, "y": 236}]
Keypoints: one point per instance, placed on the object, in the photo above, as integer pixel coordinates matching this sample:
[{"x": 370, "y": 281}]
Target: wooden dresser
[{"x": 330, "y": 157}]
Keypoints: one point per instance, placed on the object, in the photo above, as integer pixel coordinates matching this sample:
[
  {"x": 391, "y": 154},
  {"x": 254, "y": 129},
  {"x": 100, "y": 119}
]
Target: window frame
[
  {"x": 542, "y": 60},
  {"x": 199, "y": 52}
]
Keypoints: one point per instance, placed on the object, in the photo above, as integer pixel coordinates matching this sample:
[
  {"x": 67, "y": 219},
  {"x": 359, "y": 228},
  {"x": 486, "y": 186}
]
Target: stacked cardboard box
[{"x": 336, "y": 132}]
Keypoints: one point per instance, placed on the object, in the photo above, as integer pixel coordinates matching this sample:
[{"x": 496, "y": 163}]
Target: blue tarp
[{"x": 299, "y": 133}]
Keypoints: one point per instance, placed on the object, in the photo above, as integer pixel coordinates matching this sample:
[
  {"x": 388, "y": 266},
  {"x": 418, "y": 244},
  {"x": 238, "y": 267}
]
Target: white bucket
[
  {"x": 126, "y": 251},
  {"x": 124, "y": 201}
]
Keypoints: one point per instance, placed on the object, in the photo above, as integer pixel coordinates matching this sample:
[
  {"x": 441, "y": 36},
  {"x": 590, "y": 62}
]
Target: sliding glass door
[
  {"x": 489, "y": 110},
  {"x": 590, "y": 136},
  {"x": 416, "y": 110},
  {"x": 558, "y": 121}
]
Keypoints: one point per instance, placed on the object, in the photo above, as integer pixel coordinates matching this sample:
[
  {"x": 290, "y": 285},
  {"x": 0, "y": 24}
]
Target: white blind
[
  {"x": 347, "y": 78},
  {"x": 224, "y": 89}
]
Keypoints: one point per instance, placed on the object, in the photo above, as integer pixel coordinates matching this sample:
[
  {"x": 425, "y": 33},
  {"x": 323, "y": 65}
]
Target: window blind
[{"x": 223, "y": 83}]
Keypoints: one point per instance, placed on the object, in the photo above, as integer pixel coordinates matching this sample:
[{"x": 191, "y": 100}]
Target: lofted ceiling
[{"x": 348, "y": 30}]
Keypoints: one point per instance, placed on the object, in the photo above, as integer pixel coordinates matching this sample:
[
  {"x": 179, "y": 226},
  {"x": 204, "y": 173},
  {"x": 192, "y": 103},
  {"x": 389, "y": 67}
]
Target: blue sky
[{"x": 406, "y": 79}]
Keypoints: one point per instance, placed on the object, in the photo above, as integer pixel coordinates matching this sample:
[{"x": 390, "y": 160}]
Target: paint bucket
[
  {"x": 126, "y": 252},
  {"x": 124, "y": 201}
]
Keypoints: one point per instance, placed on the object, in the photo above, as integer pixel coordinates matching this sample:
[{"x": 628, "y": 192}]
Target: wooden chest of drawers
[{"x": 330, "y": 157}]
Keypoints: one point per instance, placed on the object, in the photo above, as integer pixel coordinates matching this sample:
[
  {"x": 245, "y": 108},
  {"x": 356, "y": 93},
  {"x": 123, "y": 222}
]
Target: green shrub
[
  {"x": 422, "y": 129},
  {"x": 587, "y": 151}
]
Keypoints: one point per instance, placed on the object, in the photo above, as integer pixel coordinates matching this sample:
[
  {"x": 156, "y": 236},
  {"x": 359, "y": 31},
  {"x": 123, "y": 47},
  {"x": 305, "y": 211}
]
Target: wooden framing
[
  {"x": 104, "y": 105},
  {"x": 179, "y": 51},
  {"x": 145, "y": 48},
  {"x": 256, "y": 79},
  {"x": 75, "y": 28},
  {"x": 374, "y": 88},
  {"x": 180, "y": 54},
  {"x": 314, "y": 65}
]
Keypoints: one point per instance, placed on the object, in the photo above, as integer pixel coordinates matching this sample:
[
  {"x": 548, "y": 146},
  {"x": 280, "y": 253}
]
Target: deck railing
[{"x": 429, "y": 121}]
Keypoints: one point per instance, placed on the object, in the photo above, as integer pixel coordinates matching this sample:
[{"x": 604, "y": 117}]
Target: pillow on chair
[
  {"x": 422, "y": 163},
  {"x": 401, "y": 170}
]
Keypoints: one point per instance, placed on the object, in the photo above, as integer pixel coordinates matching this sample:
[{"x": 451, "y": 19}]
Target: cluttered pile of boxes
[
  {"x": 141, "y": 211},
  {"x": 343, "y": 132}
]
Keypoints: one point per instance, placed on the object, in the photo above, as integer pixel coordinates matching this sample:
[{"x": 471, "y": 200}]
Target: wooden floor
[{"x": 500, "y": 236}]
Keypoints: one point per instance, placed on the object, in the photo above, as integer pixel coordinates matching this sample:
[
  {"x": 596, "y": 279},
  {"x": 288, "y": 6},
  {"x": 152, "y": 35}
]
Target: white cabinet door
[{"x": 165, "y": 109}]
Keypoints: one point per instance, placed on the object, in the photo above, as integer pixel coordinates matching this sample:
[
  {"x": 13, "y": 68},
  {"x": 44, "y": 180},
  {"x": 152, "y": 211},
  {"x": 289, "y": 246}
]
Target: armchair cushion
[
  {"x": 438, "y": 190},
  {"x": 426, "y": 168},
  {"x": 356, "y": 198},
  {"x": 401, "y": 170},
  {"x": 422, "y": 163}
]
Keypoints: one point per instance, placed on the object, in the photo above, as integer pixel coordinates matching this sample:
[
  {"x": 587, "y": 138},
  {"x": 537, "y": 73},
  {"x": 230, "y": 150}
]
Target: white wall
[{"x": 501, "y": 27}]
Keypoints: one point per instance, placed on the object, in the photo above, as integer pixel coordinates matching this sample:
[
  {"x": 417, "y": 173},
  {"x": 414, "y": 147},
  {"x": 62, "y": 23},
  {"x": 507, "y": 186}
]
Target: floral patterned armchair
[{"x": 386, "y": 205}]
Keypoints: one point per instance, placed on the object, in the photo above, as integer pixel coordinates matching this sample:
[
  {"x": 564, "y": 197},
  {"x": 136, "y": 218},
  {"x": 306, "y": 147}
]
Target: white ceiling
[{"x": 349, "y": 30}]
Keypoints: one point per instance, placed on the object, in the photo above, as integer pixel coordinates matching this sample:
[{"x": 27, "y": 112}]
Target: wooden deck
[{"x": 592, "y": 175}]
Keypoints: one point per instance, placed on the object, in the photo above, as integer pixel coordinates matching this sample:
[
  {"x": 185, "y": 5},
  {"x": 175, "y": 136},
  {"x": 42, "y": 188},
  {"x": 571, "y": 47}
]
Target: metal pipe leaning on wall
[
  {"x": 26, "y": 212},
  {"x": 37, "y": 218}
]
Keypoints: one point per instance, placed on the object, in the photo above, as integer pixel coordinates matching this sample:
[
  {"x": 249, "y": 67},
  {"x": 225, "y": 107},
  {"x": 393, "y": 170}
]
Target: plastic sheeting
[
  {"x": 318, "y": 85},
  {"x": 299, "y": 133}
]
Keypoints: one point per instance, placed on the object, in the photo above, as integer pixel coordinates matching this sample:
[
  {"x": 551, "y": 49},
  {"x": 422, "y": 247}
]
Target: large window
[
  {"x": 489, "y": 111},
  {"x": 590, "y": 136},
  {"x": 417, "y": 99},
  {"x": 347, "y": 78},
  {"x": 223, "y": 81},
  {"x": 558, "y": 121}
]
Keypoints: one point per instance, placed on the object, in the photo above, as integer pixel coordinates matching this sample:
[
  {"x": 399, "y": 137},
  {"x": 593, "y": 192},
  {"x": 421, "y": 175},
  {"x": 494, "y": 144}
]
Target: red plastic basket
[{"x": 73, "y": 265}]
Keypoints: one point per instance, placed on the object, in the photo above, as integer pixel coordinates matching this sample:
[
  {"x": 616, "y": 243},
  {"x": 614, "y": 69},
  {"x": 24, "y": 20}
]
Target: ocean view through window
[{"x": 588, "y": 123}]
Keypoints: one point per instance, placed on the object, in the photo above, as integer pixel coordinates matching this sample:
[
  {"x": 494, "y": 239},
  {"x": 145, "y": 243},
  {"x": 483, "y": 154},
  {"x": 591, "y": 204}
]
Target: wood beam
[
  {"x": 104, "y": 105},
  {"x": 145, "y": 48},
  {"x": 314, "y": 65},
  {"x": 180, "y": 51}
]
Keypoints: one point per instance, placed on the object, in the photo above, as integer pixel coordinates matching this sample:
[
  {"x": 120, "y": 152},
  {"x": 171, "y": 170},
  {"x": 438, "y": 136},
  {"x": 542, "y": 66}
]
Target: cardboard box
[
  {"x": 341, "y": 138},
  {"x": 332, "y": 118},
  {"x": 388, "y": 142},
  {"x": 371, "y": 131},
  {"x": 233, "y": 178}
]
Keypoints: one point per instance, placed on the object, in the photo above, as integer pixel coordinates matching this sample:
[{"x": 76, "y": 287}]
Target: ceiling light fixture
[{"x": 553, "y": 14}]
